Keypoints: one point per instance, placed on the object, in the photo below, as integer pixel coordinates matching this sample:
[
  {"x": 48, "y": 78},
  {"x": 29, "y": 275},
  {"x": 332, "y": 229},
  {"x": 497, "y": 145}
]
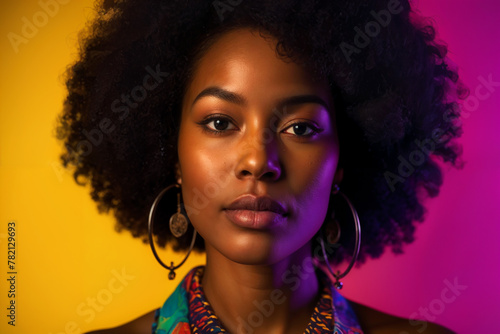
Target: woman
[{"x": 238, "y": 122}]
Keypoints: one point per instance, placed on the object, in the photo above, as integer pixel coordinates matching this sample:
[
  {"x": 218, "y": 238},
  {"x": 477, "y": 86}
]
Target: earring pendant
[{"x": 178, "y": 222}]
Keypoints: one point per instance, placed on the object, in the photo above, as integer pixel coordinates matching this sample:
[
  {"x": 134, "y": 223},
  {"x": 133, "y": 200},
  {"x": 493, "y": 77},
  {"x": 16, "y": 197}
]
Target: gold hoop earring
[
  {"x": 178, "y": 226},
  {"x": 338, "y": 275}
]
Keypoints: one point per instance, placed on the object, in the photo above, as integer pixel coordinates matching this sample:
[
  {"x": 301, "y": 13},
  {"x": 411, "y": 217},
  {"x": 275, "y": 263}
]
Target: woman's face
[{"x": 259, "y": 129}]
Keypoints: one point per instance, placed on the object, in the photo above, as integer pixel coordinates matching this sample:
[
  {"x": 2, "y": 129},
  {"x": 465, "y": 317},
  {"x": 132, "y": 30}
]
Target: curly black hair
[{"x": 396, "y": 101}]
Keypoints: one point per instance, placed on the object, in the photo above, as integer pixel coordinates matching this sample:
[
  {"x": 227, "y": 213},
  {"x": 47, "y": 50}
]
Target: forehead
[{"x": 245, "y": 61}]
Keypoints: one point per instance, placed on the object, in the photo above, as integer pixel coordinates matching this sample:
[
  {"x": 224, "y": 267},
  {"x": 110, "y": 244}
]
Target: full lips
[{"x": 254, "y": 219}]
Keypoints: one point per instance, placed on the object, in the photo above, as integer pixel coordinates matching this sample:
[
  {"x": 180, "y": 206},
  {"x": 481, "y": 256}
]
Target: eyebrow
[
  {"x": 235, "y": 98},
  {"x": 221, "y": 94}
]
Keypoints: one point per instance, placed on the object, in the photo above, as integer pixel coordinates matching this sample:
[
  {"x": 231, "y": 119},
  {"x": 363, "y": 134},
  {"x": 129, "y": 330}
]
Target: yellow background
[{"x": 66, "y": 252}]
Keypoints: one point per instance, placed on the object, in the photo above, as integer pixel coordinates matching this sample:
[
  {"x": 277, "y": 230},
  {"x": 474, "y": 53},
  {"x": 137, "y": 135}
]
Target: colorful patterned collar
[{"x": 187, "y": 311}]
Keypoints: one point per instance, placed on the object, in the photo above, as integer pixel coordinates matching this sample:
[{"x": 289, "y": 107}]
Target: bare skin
[
  {"x": 234, "y": 140},
  {"x": 263, "y": 155},
  {"x": 371, "y": 320}
]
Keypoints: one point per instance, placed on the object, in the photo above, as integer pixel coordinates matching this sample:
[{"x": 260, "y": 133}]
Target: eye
[
  {"x": 217, "y": 124},
  {"x": 302, "y": 129}
]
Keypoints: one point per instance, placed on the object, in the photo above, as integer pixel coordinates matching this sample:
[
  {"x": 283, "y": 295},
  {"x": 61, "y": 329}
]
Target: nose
[{"x": 258, "y": 157}]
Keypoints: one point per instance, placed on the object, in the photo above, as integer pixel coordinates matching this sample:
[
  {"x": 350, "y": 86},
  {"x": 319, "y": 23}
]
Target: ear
[
  {"x": 178, "y": 175},
  {"x": 339, "y": 175}
]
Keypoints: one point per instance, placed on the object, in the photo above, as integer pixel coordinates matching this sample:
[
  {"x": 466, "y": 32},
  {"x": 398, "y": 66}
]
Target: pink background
[{"x": 459, "y": 241}]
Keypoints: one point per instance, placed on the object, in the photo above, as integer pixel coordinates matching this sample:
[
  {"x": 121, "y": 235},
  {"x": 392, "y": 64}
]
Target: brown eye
[
  {"x": 217, "y": 124},
  {"x": 302, "y": 129},
  {"x": 220, "y": 124}
]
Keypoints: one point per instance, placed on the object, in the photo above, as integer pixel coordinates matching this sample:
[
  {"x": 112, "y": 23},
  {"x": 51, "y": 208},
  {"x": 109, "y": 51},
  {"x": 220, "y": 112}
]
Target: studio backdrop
[{"x": 64, "y": 268}]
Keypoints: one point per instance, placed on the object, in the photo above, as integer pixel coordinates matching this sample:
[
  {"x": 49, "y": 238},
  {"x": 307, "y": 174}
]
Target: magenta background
[{"x": 460, "y": 237}]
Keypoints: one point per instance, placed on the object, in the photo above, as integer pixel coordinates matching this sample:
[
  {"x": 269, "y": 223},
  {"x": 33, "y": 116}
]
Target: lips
[{"x": 255, "y": 212}]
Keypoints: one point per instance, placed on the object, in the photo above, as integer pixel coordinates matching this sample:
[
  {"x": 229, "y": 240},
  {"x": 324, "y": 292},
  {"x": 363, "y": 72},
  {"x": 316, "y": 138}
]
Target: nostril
[
  {"x": 270, "y": 175},
  {"x": 259, "y": 164}
]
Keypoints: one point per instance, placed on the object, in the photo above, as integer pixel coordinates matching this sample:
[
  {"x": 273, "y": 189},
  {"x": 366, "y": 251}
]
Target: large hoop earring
[
  {"x": 177, "y": 221},
  {"x": 338, "y": 275}
]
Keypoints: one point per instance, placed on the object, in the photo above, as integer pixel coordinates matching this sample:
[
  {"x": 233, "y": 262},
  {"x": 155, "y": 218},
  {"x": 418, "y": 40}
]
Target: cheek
[
  {"x": 312, "y": 168},
  {"x": 311, "y": 177},
  {"x": 205, "y": 174}
]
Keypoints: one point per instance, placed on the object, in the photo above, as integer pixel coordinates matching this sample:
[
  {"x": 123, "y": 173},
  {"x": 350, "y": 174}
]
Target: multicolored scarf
[{"x": 187, "y": 311}]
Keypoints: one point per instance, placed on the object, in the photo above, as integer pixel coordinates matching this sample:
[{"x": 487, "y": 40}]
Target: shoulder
[
  {"x": 140, "y": 325},
  {"x": 377, "y": 322}
]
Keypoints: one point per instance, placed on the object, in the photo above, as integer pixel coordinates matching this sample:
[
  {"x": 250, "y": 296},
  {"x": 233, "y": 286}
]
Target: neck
[{"x": 276, "y": 298}]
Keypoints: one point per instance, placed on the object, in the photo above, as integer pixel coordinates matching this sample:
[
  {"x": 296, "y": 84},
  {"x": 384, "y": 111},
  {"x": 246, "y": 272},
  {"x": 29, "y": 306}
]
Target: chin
[
  {"x": 252, "y": 250},
  {"x": 258, "y": 249}
]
